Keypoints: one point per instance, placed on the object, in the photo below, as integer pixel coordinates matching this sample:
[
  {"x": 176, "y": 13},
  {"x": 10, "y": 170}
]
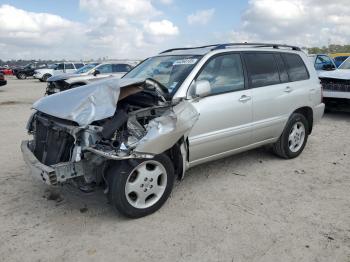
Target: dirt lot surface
[{"x": 248, "y": 207}]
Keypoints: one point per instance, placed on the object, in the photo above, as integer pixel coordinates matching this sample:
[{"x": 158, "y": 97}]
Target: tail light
[{"x": 321, "y": 91}]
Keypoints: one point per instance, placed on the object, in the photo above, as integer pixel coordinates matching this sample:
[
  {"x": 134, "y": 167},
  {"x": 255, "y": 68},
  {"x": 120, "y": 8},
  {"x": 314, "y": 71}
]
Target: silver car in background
[{"x": 135, "y": 135}]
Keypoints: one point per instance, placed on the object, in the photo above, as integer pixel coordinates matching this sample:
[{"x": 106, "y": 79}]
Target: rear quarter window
[{"x": 296, "y": 68}]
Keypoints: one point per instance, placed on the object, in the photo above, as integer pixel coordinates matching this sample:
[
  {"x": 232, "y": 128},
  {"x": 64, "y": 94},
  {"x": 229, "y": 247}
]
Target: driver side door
[{"x": 225, "y": 114}]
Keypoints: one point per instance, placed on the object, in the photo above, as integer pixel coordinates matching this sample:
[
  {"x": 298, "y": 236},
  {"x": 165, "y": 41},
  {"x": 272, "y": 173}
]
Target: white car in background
[
  {"x": 85, "y": 75},
  {"x": 335, "y": 81},
  {"x": 57, "y": 69}
]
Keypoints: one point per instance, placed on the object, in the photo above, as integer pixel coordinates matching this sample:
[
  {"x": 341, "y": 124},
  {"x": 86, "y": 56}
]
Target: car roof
[{"x": 202, "y": 50}]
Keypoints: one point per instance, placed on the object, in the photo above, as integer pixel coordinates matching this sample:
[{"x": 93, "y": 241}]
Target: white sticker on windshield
[{"x": 188, "y": 61}]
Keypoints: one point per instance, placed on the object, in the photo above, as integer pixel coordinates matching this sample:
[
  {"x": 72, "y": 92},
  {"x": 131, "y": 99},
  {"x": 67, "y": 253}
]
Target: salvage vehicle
[
  {"x": 27, "y": 70},
  {"x": 3, "y": 81},
  {"x": 86, "y": 75},
  {"x": 335, "y": 81},
  {"x": 186, "y": 106}
]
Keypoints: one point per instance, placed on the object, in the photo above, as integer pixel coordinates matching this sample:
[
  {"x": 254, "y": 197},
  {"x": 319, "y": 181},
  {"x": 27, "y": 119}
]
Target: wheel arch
[{"x": 308, "y": 113}]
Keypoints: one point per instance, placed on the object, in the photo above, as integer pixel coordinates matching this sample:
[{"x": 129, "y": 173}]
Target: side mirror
[
  {"x": 202, "y": 88},
  {"x": 96, "y": 72}
]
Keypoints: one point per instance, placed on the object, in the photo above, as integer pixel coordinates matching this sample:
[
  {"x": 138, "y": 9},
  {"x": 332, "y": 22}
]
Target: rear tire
[
  {"x": 294, "y": 137},
  {"x": 138, "y": 188}
]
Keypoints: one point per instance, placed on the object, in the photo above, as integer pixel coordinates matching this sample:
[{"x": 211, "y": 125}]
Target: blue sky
[{"x": 88, "y": 29}]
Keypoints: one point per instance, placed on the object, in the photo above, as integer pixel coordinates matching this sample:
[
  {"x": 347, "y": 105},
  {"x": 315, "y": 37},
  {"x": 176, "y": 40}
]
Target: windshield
[
  {"x": 170, "y": 71},
  {"x": 345, "y": 64},
  {"x": 86, "y": 68}
]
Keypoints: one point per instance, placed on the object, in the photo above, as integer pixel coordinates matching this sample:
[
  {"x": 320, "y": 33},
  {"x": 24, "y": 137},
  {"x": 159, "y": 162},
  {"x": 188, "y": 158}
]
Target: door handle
[
  {"x": 244, "y": 98},
  {"x": 288, "y": 89}
]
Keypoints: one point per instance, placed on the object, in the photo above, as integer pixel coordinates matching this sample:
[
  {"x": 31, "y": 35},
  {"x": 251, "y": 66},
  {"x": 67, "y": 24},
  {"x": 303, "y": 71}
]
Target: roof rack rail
[
  {"x": 223, "y": 46},
  {"x": 187, "y": 48},
  {"x": 276, "y": 46}
]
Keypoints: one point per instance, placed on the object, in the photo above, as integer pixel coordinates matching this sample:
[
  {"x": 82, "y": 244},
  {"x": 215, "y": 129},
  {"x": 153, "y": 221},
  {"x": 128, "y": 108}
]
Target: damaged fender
[{"x": 163, "y": 132}]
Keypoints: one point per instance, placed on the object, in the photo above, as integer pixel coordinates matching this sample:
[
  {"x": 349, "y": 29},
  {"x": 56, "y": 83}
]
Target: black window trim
[
  {"x": 280, "y": 69},
  {"x": 213, "y": 57}
]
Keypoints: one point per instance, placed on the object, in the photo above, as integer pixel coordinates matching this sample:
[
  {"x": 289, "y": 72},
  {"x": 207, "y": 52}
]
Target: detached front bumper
[{"x": 51, "y": 175}]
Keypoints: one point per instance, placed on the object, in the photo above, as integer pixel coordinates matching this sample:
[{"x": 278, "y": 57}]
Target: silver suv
[{"x": 135, "y": 135}]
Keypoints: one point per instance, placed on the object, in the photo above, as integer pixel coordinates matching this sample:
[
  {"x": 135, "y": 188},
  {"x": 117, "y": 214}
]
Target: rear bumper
[
  {"x": 318, "y": 112},
  {"x": 51, "y": 175}
]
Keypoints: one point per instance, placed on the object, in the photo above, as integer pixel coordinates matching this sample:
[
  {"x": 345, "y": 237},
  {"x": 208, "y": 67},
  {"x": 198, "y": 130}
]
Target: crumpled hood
[
  {"x": 336, "y": 74},
  {"x": 88, "y": 103},
  {"x": 62, "y": 76}
]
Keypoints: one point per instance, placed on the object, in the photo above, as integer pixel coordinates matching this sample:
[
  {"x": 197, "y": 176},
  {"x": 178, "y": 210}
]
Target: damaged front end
[{"x": 78, "y": 132}]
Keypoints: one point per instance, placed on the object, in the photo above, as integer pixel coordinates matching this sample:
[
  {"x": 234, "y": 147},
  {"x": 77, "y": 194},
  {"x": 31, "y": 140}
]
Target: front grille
[
  {"x": 337, "y": 85},
  {"x": 52, "y": 143}
]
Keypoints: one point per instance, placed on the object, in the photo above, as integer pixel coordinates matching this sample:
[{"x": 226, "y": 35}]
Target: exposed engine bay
[{"x": 110, "y": 120}]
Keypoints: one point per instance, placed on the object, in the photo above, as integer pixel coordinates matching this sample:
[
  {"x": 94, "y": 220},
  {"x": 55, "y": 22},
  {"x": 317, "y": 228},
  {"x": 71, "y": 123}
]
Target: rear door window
[
  {"x": 262, "y": 69},
  {"x": 296, "y": 68}
]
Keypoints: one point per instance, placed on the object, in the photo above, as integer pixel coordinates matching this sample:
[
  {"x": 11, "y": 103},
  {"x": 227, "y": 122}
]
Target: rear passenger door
[
  {"x": 268, "y": 80},
  {"x": 225, "y": 114},
  {"x": 276, "y": 82}
]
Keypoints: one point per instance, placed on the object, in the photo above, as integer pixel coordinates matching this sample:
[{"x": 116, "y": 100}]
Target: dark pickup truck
[{"x": 28, "y": 70}]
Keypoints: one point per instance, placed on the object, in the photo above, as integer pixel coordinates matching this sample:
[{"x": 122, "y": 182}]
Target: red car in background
[{"x": 7, "y": 71}]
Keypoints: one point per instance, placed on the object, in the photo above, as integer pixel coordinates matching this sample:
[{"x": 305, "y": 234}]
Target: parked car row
[
  {"x": 133, "y": 136},
  {"x": 56, "y": 69},
  {"x": 85, "y": 75}
]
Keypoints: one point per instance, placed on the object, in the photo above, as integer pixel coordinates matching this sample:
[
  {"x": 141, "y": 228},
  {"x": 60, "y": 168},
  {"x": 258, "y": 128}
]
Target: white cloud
[
  {"x": 161, "y": 28},
  {"x": 128, "y": 8},
  {"x": 166, "y": 2},
  {"x": 301, "y": 22},
  {"x": 201, "y": 17},
  {"x": 117, "y": 29}
]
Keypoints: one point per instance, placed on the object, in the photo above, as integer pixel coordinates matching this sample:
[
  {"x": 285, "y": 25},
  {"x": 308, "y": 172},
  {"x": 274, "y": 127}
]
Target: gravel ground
[{"x": 248, "y": 207}]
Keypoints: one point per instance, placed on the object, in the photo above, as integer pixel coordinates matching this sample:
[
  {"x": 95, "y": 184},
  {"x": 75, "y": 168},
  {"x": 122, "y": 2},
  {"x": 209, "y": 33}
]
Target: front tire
[
  {"x": 45, "y": 77},
  {"x": 294, "y": 137},
  {"x": 138, "y": 188}
]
